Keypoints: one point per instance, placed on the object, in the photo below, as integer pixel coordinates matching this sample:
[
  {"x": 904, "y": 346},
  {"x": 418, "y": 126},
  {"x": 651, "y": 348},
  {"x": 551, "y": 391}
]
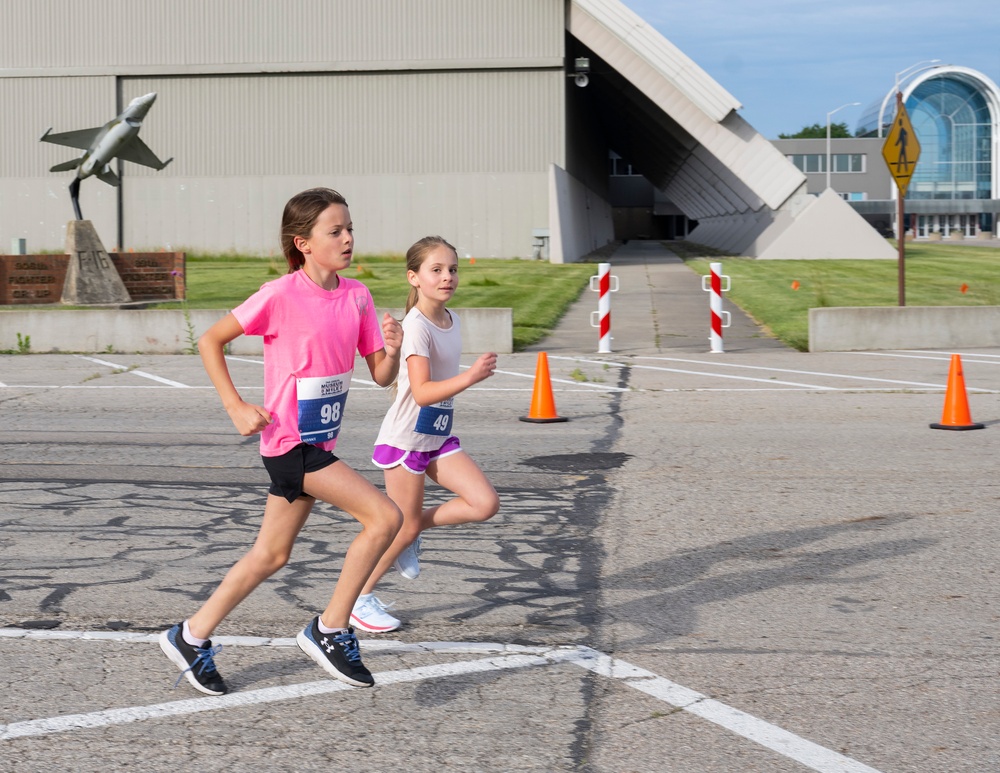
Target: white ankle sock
[
  {"x": 324, "y": 629},
  {"x": 190, "y": 638}
]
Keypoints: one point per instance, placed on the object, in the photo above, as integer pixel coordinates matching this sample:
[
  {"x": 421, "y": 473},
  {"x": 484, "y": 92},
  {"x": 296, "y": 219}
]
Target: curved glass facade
[{"x": 952, "y": 119}]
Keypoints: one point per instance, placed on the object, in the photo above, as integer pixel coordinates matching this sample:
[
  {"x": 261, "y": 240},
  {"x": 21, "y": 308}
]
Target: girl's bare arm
[
  {"x": 384, "y": 364},
  {"x": 247, "y": 418},
  {"x": 427, "y": 392}
]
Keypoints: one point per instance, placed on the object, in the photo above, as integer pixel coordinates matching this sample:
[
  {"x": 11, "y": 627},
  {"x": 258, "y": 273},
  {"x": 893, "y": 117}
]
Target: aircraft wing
[
  {"x": 82, "y": 138},
  {"x": 138, "y": 152}
]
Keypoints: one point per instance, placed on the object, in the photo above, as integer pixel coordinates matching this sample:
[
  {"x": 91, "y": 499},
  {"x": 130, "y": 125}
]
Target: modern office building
[
  {"x": 499, "y": 124},
  {"x": 955, "y": 189}
]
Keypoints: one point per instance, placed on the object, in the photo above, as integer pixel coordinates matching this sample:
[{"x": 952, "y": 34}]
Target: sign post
[{"x": 901, "y": 151}]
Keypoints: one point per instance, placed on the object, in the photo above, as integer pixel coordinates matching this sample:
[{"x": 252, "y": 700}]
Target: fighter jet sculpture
[{"x": 118, "y": 138}]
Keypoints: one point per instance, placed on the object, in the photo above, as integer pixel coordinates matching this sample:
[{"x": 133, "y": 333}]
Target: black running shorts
[{"x": 288, "y": 470}]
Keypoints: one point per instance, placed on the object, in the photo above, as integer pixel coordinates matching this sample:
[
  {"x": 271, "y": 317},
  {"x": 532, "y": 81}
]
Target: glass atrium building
[{"x": 954, "y": 191}]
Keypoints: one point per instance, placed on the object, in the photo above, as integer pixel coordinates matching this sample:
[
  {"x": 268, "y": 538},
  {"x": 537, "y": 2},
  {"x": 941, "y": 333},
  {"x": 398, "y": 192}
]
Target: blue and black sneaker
[
  {"x": 195, "y": 663},
  {"x": 337, "y": 653}
]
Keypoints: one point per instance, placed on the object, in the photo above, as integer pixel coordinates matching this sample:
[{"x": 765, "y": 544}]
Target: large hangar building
[{"x": 458, "y": 117}]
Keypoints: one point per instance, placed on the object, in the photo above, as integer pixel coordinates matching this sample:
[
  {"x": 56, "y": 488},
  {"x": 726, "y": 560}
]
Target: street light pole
[
  {"x": 849, "y": 104},
  {"x": 925, "y": 65}
]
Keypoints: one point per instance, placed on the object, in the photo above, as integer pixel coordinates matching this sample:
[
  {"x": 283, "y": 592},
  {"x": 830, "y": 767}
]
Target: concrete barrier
[
  {"x": 176, "y": 331},
  {"x": 862, "y": 328}
]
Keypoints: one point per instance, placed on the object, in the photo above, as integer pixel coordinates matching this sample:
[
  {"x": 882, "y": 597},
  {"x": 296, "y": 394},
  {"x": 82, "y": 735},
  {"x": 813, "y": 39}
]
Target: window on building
[
  {"x": 815, "y": 163},
  {"x": 619, "y": 167},
  {"x": 951, "y": 118}
]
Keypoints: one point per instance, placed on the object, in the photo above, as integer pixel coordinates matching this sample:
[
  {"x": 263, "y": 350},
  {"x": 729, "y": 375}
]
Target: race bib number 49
[
  {"x": 321, "y": 406},
  {"x": 436, "y": 419}
]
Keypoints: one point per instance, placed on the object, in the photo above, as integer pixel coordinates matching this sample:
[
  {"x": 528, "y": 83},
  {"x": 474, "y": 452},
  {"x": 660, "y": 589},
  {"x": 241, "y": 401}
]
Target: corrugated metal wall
[
  {"x": 354, "y": 123},
  {"x": 462, "y": 153},
  {"x": 35, "y": 204},
  {"x": 183, "y": 34},
  {"x": 482, "y": 215},
  {"x": 430, "y": 115}
]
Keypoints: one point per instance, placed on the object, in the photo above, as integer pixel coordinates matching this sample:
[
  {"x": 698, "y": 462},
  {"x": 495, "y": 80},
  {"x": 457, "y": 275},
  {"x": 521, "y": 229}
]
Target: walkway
[{"x": 660, "y": 306}]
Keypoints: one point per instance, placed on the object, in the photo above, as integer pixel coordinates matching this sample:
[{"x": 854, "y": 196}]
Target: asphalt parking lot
[{"x": 761, "y": 561}]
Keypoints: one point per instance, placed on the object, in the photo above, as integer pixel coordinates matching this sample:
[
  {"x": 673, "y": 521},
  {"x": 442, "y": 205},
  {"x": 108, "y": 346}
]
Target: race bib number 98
[
  {"x": 436, "y": 419},
  {"x": 321, "y": 406}
]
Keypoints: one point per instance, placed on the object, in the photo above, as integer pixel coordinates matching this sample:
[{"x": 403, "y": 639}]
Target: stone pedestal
[{"x": 91, "y": 277}]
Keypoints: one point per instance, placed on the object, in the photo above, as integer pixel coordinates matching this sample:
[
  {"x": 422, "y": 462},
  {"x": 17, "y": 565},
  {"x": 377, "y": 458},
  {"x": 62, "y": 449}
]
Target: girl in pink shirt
[{"x": 313, "y": 321}]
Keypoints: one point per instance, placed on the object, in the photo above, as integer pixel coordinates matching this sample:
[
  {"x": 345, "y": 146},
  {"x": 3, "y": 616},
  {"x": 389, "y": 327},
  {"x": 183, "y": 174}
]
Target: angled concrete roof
[{"x": 682, "y": 130}]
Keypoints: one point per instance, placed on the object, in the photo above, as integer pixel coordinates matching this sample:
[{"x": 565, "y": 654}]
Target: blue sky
[{"x": 790, "y": 62}]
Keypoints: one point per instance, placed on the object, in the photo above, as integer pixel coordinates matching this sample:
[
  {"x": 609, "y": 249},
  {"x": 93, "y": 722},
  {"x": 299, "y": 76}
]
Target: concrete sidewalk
[{"x": 659, "y": 306}]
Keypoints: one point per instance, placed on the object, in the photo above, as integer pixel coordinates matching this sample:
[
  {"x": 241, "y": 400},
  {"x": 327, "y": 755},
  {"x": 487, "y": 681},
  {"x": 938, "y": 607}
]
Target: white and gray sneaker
[
  {"x": 408, "y": 562},
  {"x": 370, "y": 615}
]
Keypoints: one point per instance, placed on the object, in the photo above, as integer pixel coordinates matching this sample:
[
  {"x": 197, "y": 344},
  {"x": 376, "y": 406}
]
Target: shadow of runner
[{"x": 685, "y": 585}]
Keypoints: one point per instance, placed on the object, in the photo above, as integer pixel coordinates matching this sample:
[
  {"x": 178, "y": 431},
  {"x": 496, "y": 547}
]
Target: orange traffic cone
[
  {"x": 543, "y": 406},
  {"x": 956, "y": 403}
]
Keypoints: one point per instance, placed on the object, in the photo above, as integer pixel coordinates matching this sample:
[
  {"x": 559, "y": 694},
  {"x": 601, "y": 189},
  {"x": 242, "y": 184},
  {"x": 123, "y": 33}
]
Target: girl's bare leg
[
  {"x": 407, "y": 491},
  {"x": 476, "y": 500},
  {"x": 281, "y": 525},
  {"x": 380, "y": 520}
]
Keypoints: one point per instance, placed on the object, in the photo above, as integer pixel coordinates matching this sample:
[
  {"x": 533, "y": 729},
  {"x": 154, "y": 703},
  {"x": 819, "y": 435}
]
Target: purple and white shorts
[{"x": 416, "y": 462}]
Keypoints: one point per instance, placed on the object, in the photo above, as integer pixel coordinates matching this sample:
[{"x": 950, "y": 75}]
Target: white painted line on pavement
[
  {"x": 121, "y": 716},
  {"x": 591, "y": 384},
  {"x": 698, "y": 373},
  {"x": 139, "y": 373},
  {"x": 377, "y": 645},
  {"x": 966, "y": 358},
  {"x": 209, "y": 387},
  {"x": 764, "y": 733},
  {"x": 770, "y": 736},
  {"x": 800, "y": 372},
  {"x": 947, "y": 354}
]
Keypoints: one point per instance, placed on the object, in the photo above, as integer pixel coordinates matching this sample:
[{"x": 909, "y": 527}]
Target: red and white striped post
[
  {"x": 603, "y": 313},
  {"x": 715, "y": 305}
]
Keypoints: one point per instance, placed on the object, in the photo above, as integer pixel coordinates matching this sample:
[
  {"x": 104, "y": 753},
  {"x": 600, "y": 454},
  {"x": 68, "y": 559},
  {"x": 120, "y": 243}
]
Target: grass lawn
[
  {"x": 538, "y": 292},
  {"x": 778, "y": 294}
]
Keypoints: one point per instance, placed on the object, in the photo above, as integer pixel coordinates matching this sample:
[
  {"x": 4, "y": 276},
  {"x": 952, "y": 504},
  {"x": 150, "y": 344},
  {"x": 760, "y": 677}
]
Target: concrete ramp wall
[
  {"x": 871, "y": 328},
  {"x": 826, "y": 227},
  {"x": 579, "y": 219},
  {"x": 174, "y": 331}
]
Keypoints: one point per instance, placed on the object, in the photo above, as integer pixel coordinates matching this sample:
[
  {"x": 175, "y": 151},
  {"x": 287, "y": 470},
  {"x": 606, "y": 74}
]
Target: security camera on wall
[{"x": 581, "y": 66}]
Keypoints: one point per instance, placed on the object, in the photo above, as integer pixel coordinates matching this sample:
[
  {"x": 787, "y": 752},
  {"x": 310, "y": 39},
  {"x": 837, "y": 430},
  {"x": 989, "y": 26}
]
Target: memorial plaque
[
  {"x": 31, "y": 278},
  {"x": 151, "y": 276},
  {"x": 39, "y": 279}
]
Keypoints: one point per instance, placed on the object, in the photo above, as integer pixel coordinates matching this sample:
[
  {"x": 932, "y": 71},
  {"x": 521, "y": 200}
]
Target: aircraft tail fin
[
  {"x": 65, "y": 166},
  {"x": 108, "y": 176}
]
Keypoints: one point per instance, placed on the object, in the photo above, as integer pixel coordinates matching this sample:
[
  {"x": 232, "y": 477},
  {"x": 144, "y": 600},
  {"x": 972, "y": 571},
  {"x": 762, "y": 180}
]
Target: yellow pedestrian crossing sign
[{"x": 901, "y": 150}]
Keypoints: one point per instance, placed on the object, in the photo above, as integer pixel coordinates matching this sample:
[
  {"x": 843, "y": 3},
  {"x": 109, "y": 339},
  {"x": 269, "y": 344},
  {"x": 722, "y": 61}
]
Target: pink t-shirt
[{"x": 310, "y": 336}]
